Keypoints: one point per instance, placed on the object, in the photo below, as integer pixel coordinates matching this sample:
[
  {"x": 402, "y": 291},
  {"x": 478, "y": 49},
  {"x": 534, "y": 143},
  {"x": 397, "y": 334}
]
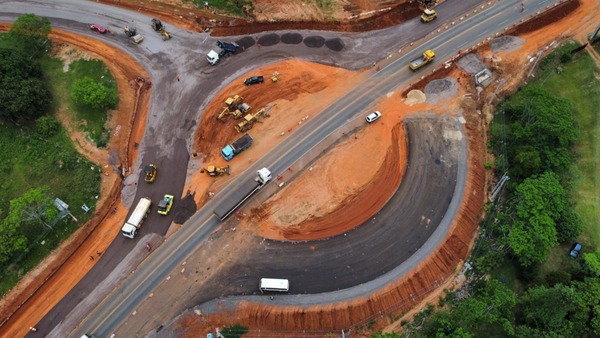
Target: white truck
[
  {"x": 243, "y": 192},
  {"x": 212, "y": 57},
  {"x": 134, "y": 223}
]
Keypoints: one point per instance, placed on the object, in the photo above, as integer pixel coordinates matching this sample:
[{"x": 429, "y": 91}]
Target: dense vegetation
[
  {"x": 38, "y": 161},
  {"x": 523, "y": 283}
]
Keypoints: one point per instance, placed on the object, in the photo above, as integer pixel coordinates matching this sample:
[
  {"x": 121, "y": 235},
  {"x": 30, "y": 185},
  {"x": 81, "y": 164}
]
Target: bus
[{"x": 273, "y": 284}]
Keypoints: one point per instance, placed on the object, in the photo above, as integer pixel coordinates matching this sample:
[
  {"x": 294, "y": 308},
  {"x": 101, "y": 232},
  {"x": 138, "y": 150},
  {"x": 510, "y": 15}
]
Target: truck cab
[
  {"x": 428, "y": 15},
  {"x": 212, "y": 57}
]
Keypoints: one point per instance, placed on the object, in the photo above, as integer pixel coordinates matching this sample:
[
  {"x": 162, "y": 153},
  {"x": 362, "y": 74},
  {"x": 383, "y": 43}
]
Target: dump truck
[
  {"x": 428, "y": 15},
  {"x": 131, "y": 32},
  {"x": 236, "y": 147},
  {"x": 134, "y": 223},
  {"x": 227, "y": 48},
  {"x": 422, "y": 60},
  {"x": 243, "y": 192}
]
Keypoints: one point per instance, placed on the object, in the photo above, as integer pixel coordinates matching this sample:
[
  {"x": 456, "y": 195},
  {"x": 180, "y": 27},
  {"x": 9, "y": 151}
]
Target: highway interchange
[{"x": 171, "y": 145}]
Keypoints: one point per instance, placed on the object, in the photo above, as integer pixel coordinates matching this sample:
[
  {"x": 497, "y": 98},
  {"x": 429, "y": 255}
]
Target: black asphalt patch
[
  {"x": 314, "y": 41},
  {"x": 246, "y": 42},
  {"x": 291, "y": 38},
  {"x": 185, "y": 209},
  {"x": 335, "y": 45},
  {"x": 269, "y": 39}
]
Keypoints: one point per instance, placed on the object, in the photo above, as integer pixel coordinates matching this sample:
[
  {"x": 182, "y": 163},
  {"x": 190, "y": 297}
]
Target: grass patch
[
  {"x": 90, "y": 121},
  {"x": 575, "y": 81},
  {"x": 28, "y": 161},
  {"x": 51, "y": 162},
  {"x": 232, "y": 7},
  {"x": 508, "y": 274}
]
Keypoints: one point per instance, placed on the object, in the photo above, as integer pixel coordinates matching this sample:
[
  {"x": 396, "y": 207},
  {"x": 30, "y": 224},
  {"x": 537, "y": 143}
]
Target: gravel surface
[
  {"x": 506, "y": 43},
  {"x": 442, "y": 89},
  {"x": 471, "y": 63}
]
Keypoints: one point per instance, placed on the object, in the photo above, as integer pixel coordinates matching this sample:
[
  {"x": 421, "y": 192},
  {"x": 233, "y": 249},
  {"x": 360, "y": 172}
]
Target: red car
[{"x": 98, "y": 28}]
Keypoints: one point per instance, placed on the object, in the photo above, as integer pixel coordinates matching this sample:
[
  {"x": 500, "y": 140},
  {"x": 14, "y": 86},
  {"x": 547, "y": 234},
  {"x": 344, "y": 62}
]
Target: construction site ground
[{"x": 332, "y": 184}]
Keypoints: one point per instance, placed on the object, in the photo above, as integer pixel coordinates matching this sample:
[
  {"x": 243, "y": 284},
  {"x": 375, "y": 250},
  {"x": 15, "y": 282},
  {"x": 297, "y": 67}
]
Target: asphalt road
[{"x": 175, "y": 107}]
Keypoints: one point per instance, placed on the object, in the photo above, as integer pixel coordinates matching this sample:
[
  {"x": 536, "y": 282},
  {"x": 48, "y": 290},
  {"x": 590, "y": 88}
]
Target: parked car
[
  {"x": 254, "y": 80},
  {"x": 575, "y": 250},
  {"x": 150, "y": 171},
  {"x": 100, "y": 29},
  {"x": 373, "y": 116}
]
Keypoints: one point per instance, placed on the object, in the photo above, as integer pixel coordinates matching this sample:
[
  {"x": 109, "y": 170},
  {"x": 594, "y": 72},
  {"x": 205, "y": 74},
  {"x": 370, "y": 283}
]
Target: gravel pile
[
  {"x": 442, "y": 89},
  {"x": 506, "y": 44},
  {"x": 415, "y": 96},
  {"x": 471, "y": 63}
]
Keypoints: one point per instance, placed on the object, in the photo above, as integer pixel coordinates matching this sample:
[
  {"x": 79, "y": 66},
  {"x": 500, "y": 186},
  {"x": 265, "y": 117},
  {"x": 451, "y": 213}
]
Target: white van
[{"x": 274, "y": 284}]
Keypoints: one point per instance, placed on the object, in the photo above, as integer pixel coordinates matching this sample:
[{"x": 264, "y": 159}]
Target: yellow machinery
[
  {"x": 232, "y": 102},
  {"x": 216, "y": 171},
  {"x": 428, "y": 15},
  {"x": 249, "y": 121},
  {"x": 275, "y": 77},
  {"x": 242, "y": 109},
  {"x": 223, "y": 114}
]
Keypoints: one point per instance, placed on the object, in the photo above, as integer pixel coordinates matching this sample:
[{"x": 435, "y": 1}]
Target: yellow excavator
[
  {"x": 249, "y": 121},
  {"x": 223, "y": 114},
  {"x": 216, "y": 171}
]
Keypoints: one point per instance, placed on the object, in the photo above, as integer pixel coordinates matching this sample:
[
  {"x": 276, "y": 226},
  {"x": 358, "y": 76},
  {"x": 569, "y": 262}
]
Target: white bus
[{"x": 273, "y": 284}]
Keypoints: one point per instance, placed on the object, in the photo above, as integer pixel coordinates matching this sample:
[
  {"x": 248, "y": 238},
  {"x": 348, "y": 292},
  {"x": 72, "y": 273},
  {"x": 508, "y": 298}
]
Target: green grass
[
  {"x": 233, "y": 7},
  {"x": 28, "y": 161},
  {"x": 508, "y": 274},
  {"x": 54, "y": 163},
  {"x": 576, "y": 82},
  {"x": 61, "y": 83}
]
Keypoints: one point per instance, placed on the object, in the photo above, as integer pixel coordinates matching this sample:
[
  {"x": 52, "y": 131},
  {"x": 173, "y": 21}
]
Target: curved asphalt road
[{"x": 169, "y": 130}]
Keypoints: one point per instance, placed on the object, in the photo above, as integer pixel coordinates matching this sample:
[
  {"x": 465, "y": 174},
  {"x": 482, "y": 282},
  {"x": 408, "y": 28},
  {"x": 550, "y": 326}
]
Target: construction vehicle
[
  {"x": 275, "y": 77},
  {"x": 131, "y": 32},
  {"x": 216, "y": 171},
  {"x": 422, "y": 60},
  {"x": 160, "y": 28},
  {"x": 227, "y": 48},
  {"x": 223, "y": 114},
  {"x": 249, "y": 121},
  {"x": 242, "y": 194},
  {"x": 428, "y": 15},
  {"x": 134, "y": 223},
  {"x": 236, "y": 147},
  {"x": 233, "y": 102},
  {"x": 164, "y": 206},
  {"x": 212, "y": 57},
  {"x": 242, "y": 109},
  {"x": 150, "y": 173}
]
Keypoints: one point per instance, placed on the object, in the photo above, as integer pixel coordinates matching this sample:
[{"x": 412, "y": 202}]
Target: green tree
[
  {"x": 88, "y": 92},
  {"x": 23, "y": 95},
  {"x": 569, "y": 225},
  {"x": 32, "y": 210},
  {"x": 535, "y": 132},
  {"x": 592, "y": 263},
  {"x": 537, "y": 204},
  {"x": 31, "y": 33},
  {"x": 12, "y": 240},
  {"x": 550, "y": 310},
  {"x": 380, "y": 334},
  {"x": 46, "y": 126}
]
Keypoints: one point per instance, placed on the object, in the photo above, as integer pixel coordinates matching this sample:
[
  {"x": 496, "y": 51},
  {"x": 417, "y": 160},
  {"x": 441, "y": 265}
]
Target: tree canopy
[
  {"x": 30, "y": 32},
  {"x": 537, "y": 133},
  {"x": 93, "y": 94},
  {"x": 23, "y": 95},
  {"x": 538, "y": 203}
]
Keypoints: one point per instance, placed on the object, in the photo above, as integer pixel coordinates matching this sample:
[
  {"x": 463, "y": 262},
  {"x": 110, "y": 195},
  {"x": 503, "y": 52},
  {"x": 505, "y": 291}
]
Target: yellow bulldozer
[
  {"x": 212, "y": 170},
  {"x": 242, "y": 109},
  {"x": 249, "y": 121},
  {"x": 235, "y": 107}
]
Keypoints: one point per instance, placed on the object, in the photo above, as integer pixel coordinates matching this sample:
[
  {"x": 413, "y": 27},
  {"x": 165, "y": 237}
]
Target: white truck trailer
[
  {"x": 242, "y": 194},
  {"x": 134, "y": 223}
]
